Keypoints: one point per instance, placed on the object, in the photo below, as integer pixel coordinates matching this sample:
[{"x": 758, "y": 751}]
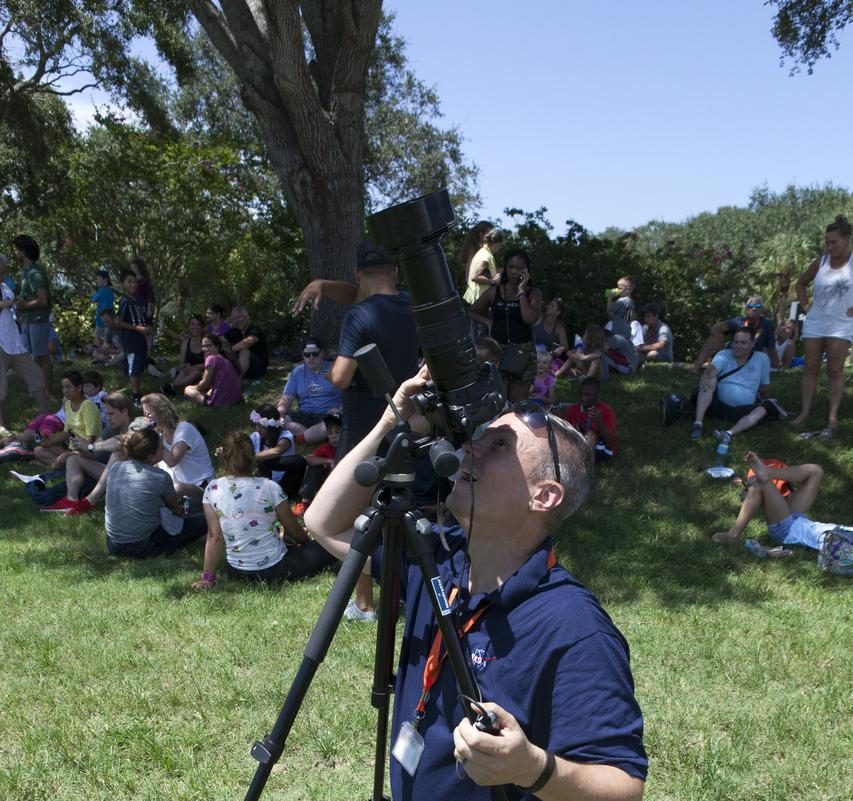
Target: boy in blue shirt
[{"x": 104, "y": 298}]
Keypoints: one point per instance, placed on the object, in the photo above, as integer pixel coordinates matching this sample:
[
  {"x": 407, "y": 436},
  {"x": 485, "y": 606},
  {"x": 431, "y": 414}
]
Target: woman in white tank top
[{"x": 828, "y": 326}]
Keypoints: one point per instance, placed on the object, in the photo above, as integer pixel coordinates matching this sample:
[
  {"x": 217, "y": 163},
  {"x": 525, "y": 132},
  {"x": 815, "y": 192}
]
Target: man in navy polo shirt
[
  {"x": 763, "y": 334},
  {"x": 547, "y": 658}
]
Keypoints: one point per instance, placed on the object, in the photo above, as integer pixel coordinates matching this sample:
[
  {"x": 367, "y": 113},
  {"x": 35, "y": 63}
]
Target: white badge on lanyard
[{"x": 409, "y": 748}]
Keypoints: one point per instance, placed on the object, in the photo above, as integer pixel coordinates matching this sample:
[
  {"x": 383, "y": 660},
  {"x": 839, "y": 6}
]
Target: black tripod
[{"x": 393, "y": 514}]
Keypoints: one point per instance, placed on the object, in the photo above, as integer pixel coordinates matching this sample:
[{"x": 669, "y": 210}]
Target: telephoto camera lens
[{"x": 466, "y": 393}]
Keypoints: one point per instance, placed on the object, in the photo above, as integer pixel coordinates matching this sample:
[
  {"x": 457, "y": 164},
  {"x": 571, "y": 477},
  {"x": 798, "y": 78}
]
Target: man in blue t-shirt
[
  {"x": 763, "y": 332},
  {"x": 549, "y": 662},
  {"x": 309, "y": 385},
  {"x": 734, "y": 387}
]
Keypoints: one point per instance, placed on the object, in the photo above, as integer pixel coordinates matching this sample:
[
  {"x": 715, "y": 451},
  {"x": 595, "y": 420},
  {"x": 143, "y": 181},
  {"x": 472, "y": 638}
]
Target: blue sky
[{"x": 622, "y": 112}]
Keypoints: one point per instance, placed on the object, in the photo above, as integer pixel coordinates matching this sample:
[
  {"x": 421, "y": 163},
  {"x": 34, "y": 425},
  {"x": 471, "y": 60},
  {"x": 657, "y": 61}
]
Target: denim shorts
[
  {"x": 797, "y": 529},
  {"x": 36, "y": 336}
]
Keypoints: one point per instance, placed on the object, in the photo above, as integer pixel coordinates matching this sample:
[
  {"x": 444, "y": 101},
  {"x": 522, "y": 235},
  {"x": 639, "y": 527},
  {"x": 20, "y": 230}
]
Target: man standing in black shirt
[
  {"x": 382, "y": 315},
  {"x": 249, "y": 343}
]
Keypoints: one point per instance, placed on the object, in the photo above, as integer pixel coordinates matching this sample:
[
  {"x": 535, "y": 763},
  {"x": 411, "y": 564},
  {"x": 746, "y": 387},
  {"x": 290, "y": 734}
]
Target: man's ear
[{"x": 547, "y": 496}]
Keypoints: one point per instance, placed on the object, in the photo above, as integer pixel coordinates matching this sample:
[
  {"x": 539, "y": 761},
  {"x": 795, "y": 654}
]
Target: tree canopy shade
[{"x": 807, "y": 30}]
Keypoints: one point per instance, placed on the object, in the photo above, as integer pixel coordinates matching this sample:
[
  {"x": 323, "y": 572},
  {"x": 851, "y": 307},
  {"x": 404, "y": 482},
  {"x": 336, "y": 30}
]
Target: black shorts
[
  {"x": 256, "y": 367},
  {"x": 731, "y": 414}
]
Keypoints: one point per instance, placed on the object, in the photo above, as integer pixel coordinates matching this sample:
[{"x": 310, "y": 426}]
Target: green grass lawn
[{"x": 119, "y": 682}]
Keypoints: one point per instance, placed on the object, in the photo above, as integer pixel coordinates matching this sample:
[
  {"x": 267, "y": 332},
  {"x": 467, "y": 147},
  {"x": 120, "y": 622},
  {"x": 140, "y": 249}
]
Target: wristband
[
  {"x": 209, "y": 577},
  {"x": 544, "y": 777}
]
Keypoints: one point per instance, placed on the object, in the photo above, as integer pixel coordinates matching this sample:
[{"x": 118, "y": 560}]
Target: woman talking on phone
[{"x": 515, "y": 305}]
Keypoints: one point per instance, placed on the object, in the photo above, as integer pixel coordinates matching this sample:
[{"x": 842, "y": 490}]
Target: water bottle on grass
[{"x": 755, "y": 548}]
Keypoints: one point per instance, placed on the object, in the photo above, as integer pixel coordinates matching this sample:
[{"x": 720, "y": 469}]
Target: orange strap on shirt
[{"x": 435, "y": 659}]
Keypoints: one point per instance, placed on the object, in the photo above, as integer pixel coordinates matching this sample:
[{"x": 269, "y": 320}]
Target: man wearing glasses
[
  {"x": 548, "y": 660},
  {"x": 753, "y": 318},
  {"x": 310, "y": 387}
]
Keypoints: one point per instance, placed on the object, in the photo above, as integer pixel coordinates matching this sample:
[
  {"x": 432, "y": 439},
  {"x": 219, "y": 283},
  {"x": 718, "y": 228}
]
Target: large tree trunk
[{"x": 311, "y": 113}]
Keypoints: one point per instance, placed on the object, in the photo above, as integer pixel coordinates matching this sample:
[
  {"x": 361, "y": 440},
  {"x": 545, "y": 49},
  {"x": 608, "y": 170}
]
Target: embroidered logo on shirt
[{"x": 479, "y": 659}]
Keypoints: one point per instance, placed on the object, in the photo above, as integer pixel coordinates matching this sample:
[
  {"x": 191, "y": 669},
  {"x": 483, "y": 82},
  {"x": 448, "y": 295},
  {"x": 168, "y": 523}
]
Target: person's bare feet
[
  {"x": 725, "y": 538},
  {"x": 758, "y": 467},
  {"x": 800, "y": 419}
]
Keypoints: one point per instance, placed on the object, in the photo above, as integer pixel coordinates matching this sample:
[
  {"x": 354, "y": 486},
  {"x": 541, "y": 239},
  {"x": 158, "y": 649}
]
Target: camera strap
[{"x": 436, "y": 658}]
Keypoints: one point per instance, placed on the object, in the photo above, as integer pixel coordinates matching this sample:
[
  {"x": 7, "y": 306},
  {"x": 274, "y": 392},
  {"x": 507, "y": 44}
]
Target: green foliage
[
  {"x": 808, "y": 30},
  {"x": 74, "y": 317}
]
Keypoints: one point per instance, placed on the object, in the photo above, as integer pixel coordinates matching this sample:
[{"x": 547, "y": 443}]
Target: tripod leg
[
  {"x": 383, "y": 665},
  {"x": 268, "y": 750}
]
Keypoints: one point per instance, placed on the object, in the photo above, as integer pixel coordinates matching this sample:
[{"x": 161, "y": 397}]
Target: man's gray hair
[{"x": 576, "y": 469}]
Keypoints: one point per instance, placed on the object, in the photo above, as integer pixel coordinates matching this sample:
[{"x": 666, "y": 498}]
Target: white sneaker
[
  {"x": 25, "y": 478},
  {"x": 352, "y": 612}
]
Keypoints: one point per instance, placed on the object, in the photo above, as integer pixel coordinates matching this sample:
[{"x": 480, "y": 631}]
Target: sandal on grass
[
  {"x": 826, "y": 433},
  {"x": 810, "y": 434}
]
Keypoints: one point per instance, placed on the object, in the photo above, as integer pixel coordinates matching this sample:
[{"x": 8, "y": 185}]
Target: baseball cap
[{"x": 372, "y": 255}]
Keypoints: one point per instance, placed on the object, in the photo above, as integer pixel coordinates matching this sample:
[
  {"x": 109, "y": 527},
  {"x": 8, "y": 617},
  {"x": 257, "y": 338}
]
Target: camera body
[{"x": 463, "y": 394}]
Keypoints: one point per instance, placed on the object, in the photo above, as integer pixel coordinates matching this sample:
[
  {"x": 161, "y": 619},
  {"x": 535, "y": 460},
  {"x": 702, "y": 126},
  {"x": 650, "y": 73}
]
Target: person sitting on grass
[
  {"x": 657, "y": 337},
  {"x": 320, "y": 463},
  {"x": 184, "y": 449},
  {"x": 82, "y": 420},
  {"x": 91, "y": 460},
  {"x": 752, "y": 318},
  {"x": 144, "y": 515},
  {"x": 275, "y": 450},
  {"x": 19, "y": 447},
  {"x": 620, "y": 355},
  {"x": 109, "y": 352},
  {"x": 787, "y": 517},
  {"x": 309, "y": 385},
  {"x": 735, "y": 388},
  {"x": 544, "y": 386},
  {"x": 785, "y": 346},
  {"x": 93, "y": 389},
  {"x": 249, "y": 345},
  {"x": 590, "y": 361},
  {"x": 243, "y": 512},
  {"x": 220, "y": 384},
  {"x": 594, "y": 419},
  {"x": 216, "y": 322},
  {"x": 191, "y": 367}
]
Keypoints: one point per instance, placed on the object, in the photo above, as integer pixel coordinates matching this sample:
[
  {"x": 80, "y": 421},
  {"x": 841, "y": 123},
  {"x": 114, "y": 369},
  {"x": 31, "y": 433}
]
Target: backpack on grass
[
  {"x": 836, "y": 552},
  {"x": 672, "y": 407}
]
